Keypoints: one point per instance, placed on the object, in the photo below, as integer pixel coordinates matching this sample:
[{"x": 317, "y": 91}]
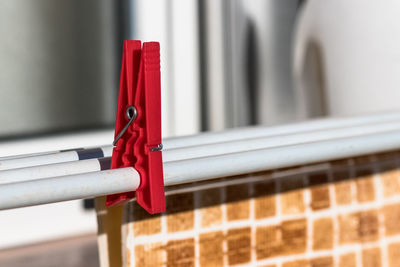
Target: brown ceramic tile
[
  {"x": 297, "y": 263},
  {"x": 340, "y": 175},
  {"x": 322, "y": 262},
  {"x": 294, "y": 236},
  {"x": 322, "y": 234},
  {"x": 291, "y": 183},
  {"x": 365, "y": 185},
  {"x": 343, "y": 183},
  {"x": 264, "y": 199},
  {"x": 390, "y": 182},
  {"x": 348, "y": 260},
  {"x": 211, "y": 216},
  {"x": 319, "y": 191},
  {"x": 368, "y": 226},
  {"x": 348, "y": 228},
  {"x": 371, "y": 257},
  {"x": 320, "y": 197},
  {"x": 393, "y": 155},
  {"x": 318, "y": 178},
  {"x": 362, "y": 160},
  {"x": 391, "y": 214},
  {"x": 343, "y": 192},
  {"x": 180, "y": 212},
  {"x": 237, "y": 202},
  {"x": 292, "y": 195},
  {"x": 340, "y": 163},
  {"x": 149, "y": 255},
  {"x": 145, "y": 223},
  {"x": 358, "y": 227},
  {"x": 268, "y": 242},
  {"x": 286, "y": 239},
  {"x": 180, "y": 252},
  {"x": 239, "y": 246},
  {"x": 211, "y": 249},
  {"x": 211, "y": 211},
  {"x": 394, "y": 252}
]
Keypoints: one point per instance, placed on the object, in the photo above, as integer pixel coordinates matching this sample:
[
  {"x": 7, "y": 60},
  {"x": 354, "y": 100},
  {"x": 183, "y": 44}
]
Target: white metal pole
[
  {"x": 90, "y": 165},
  {"x": 85, "y": 185},
  {"x": 265, "y": 131},
  {"x": 275, "y": 141},
  {"x": 54, "y": 170},
  {"x": 105, "y": 151},
  {"x": 243, "y": 134},
  {"x": 263, "y": 137},
  {"x": 193, "y": 170}
]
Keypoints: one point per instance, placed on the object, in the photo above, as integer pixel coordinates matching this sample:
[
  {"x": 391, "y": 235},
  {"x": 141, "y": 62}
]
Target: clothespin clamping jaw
[{"x": 138, "y": 125}]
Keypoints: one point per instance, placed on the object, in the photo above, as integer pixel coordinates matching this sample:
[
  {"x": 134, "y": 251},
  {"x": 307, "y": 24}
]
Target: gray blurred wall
[{"x": 58, "y": 62}]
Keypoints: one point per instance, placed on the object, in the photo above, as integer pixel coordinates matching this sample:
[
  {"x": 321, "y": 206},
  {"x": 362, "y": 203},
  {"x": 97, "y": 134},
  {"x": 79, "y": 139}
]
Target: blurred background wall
[
  {"x": 224, "y": 63},
  {"x": 58, "y": 67}
]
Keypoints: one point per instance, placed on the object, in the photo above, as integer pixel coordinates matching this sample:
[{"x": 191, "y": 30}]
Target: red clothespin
[{"x": 138, "y": 125}]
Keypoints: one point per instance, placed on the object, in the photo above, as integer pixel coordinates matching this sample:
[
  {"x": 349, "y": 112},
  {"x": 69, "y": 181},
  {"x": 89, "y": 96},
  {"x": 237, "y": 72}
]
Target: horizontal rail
[
  {"x": 231, "y": 141},
  {"x": 63, "y": 188},
  {"x": 75, "y": 167},
  {"x": 76, "y": 186}
]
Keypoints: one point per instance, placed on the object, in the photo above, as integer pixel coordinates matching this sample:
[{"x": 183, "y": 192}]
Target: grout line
[
  {"x": 380, "y": 199},
  {"x": 335, "y": 224},
  {"x": 163, "y": 233},
  {"x": 252, "y": 226},
  {"x": 224, "y": 226},
  {"x": 307, "y": 201},
  {"x": 197, "y": 226},
  {"x": 278, "y": 211}
]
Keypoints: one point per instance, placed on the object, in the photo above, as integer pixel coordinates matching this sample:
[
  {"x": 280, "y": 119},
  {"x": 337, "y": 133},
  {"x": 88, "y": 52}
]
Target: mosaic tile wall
[{"x": 344, "y": 213}]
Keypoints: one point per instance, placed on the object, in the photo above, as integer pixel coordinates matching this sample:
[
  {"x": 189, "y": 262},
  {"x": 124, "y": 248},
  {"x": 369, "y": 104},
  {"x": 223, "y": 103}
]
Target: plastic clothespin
[{"x": 138, "y": 125}]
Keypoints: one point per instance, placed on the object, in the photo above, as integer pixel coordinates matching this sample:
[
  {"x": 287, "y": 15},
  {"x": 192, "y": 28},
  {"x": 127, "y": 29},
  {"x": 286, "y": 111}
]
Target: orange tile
[
  {"x": 239, "y": 246},
  {"x": 391, "y": 214},
  {"x": 348, "y": 260},
  {"x": 210, "y": 203},
  {"x": 322, "y": 234},
  {"x": 149, "y": 255},
  {"x": 292, "y": 195},
  {"x": 294, "y": 236},
  {"x": 237, "y": 202},
  {"x": 296, "y": 263},
  {"x": 182, "y": 221},
  {"x": 371, "y": 257},
  {"x": 180, "y": 215},
  {"x": 358, "y": 227},
  {"x": 211, "y": 249},
  {"x": 342, "y": 184},
  {"x": 318, "y": 183},
  {"x": 343, "y": 192},
  {"x": 362, "y": 160},
  {"x": 394, "y": 252},
  {"x": 322, "y": 262},
  {"x": 180, "y": 253},
  {"x": 390, "y": 182},
  {"x": 264, "y": 199},
  {"x": 365, "y": 185},
  {"x": 143, "y": 222},
  {"x": 268, "y": 242}
]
